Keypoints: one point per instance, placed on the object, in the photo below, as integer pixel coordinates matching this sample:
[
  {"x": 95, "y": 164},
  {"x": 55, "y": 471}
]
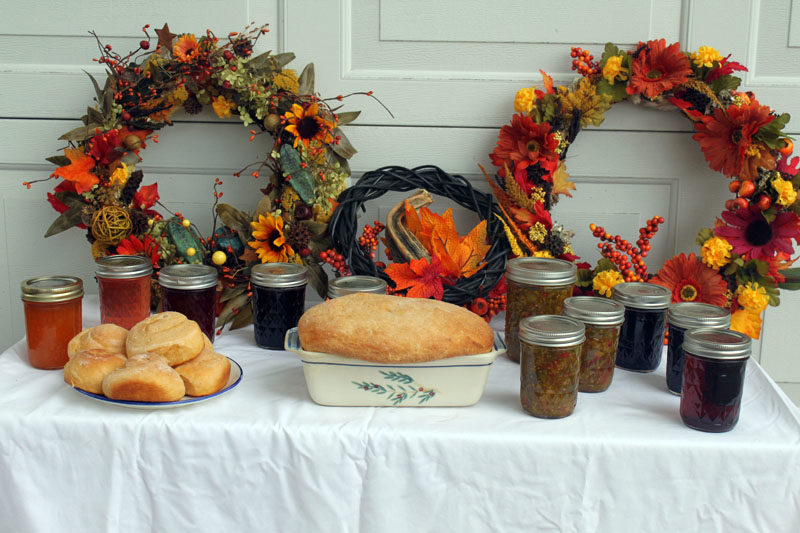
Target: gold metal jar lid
[{"x": 51, "y": 289}]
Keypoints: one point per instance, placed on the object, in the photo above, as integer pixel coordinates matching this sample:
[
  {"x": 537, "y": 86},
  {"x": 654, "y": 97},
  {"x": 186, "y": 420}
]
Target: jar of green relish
[
  {"x": 550, "y": 350},
  {"x": 603, "y": 319},
  {"x": 536, "y": 286}
]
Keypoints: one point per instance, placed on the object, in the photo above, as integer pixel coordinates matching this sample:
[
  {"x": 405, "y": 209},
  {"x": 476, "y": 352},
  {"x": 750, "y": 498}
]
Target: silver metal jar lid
[
  {"x": 694, "y": 315},
  {"x": 279, "y": 275},
  {"x": 552, "y": 330},
  {"x": 542, "y": 271},
  {"x": 594, "y": 310},
  {"x": 352, "y": 284},
  {"x": 123, "y": 266},
  {"x": 187, "y": 276},
  {"x": 642, "y": 295},
  {"x": 52, "y": 289},
  {"x": 717, "y": 344}
]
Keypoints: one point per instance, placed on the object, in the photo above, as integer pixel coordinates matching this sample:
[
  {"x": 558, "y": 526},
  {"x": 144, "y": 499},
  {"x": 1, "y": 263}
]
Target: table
[{"x": 264, "y": 457}]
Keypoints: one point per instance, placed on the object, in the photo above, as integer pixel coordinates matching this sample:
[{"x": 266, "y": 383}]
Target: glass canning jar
[
  {"x": 550, "y": 349},
  {"x": 641, "y": 339},
  {"x": 123, "y": 282},
  {"x": 352, "y": 284},
  {"x": 53, "y": 307},
  {"x": 279, "y": 293},
  {"x": 191, "y": 290},
  {"x": 536, "y": 286},
  {"x": 684, "y": 316},
  {"x": 603, "y": 320},
  {"x": 713, "y": 378}
]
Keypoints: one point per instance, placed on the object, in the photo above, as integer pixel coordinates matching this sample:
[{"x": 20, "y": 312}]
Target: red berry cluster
[
  {"x": 369, "y": 239},
  {"x": 628, "y": 258},
  {"x": 746, "y": 195},
  {"x": 336, "y": 260},
  {"x": 583, "y": 62},
  {"x": 487, "y": 307}
]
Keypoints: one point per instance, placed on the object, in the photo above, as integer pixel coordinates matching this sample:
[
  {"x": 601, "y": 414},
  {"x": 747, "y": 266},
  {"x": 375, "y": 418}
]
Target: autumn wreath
[
  {"x": 743, "y": 259},
  {"x": 305, "y": 165}
]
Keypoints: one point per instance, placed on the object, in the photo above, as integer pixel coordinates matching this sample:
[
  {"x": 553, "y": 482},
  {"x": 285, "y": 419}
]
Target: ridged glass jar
[
  {"x": 123, "y": 282},
  {"x": 641, "y": 339},
  {"x": 191, "y": 290},
  {"x": 279, "y": 293},
  {"x": 684, "y": 316}
]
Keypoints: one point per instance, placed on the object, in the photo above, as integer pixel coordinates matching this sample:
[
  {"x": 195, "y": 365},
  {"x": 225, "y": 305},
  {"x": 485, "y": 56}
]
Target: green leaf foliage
[
  {"x": 792, "y": 276},
  {"x": 344, "y": 148},
  {"x": 725, "y": 82},
  {"x": 238, "y": 221},
  {"x": 281, "y": 60},
  {"x": 616, "y": 92},
  {"x": 59, "y": 160},
  {"x": 231, "y": 306},
  {"x": 306, "y": 80},
  {"x": 703, "y": 235},
  {"x": 81, "y": 133},
  {"x": 70, "y": 198},
  {"x": 69, "y": 218},
  {"x": 301, "y": 180},
  {"x": 347, "y": 117},
  {"x": 772, "y": 134},
  {"x": 183, "y": 240},
  {"x": 244, "y": 317}
]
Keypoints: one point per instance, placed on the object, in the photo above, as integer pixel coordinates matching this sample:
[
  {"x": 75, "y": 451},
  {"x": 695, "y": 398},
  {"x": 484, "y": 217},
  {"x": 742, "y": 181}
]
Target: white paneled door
[{"x": 448, "y": 70}]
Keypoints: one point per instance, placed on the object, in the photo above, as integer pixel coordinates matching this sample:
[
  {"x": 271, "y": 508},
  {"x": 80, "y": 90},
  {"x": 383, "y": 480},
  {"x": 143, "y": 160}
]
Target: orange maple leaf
[
  {"x": 412, "y": 219},
  {"x": 423, "y": 279},
  {"x": 561, "y": 183},
  {"x": 78, "y": 170}
]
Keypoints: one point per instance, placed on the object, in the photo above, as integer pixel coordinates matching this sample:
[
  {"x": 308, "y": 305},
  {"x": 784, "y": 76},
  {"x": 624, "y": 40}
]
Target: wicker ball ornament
[
  {"x": 111, "y": 224},
  {"x": 344, "y": 223}
]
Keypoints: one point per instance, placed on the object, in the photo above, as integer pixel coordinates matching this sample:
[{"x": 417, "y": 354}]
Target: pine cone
[
  {"x": 139, "y": 222},
  {"x": 192, "y": 105},
  {"x": 298, "y": 236},
  {"x": 131, "y": 186},
  {"x": 553, "y": 244}
]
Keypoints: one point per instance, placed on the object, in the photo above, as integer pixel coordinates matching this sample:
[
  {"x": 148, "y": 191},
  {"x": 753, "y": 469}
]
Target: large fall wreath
[
  {"x": 743, "y": 259},
  {"x": 305, "y": 166}
]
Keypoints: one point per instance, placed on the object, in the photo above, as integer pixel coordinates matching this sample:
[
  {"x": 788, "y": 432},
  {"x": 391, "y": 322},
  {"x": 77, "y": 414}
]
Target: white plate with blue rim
[{"x": 233, "y": 380}]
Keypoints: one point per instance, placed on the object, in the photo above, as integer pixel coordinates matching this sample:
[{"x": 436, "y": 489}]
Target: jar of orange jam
[
  {"x": 123, "y": 282},
  {"x": 53, "y": 306}
]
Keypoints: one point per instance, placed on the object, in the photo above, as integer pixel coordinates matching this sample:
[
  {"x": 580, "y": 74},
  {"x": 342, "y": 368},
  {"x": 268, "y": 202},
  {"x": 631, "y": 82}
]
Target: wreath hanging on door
[
  {"x": 304, "y": 169},
  {"x": 744, "y": 258}
]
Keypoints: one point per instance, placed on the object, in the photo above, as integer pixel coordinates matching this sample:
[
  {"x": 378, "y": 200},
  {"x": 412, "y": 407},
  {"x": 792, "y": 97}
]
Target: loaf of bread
[
  {"x": 108, "y": 337},
  {"x": 390, "y": 329},
  {"x": 146, "y": 377},
  {"x": 169, "y": 334},
  {"x": 87, "y": 369},
  {"x": 205, "y": 374}
]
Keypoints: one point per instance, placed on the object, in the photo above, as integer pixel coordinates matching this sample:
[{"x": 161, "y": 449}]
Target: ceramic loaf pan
[{"x": 342, "y": 381}]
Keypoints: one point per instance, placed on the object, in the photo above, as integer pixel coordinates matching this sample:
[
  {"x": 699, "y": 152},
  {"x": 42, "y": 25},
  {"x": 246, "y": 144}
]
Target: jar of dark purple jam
[
  {"x": 279, "y": 296},
  {"x": 191, "y": 290},
  {"x": 684, "y": 316},
  {"x": 641, "y": 338},
  {"x": 713, "y": 378}
]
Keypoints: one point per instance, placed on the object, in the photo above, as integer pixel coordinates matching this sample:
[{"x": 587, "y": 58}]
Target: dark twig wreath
[{"x": 374, "y": 184}]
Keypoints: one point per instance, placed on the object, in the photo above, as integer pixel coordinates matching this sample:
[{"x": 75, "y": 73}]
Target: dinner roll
[
  {"x": 145, "y": 377},
  {"x": 169, "y": 334},
  {"x": 391, "y": 329},
  {"x": 108, "y": 337},
  {"x": 205, "y": 374},
  {"x": 87, "y": 369}
]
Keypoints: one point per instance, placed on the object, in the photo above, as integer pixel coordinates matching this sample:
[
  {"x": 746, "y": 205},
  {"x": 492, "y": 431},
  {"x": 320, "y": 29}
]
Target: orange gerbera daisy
[
  {"x": 726, "y": 138},
  {"x": 523, "y": 144},
  {"x": 271, "y": 245},
  {"x": 186, "y": 48},
  {"x": 307, "y": 124},
  {"x": 691, "y": 281},
  {"x": 658, "y": 68}
]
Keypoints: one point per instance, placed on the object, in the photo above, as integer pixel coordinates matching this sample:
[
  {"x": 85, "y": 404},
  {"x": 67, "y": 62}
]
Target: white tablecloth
[{"x": 264, "y": 457}]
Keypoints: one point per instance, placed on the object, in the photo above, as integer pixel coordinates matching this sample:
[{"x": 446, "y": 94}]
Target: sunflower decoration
[
  {"x": 304, "y": 167},
  {"x": 745, "y": 258}
]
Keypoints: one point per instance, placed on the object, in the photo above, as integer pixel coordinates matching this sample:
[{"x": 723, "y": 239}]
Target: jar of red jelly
[
  {"x": 603, "y": 320},
  {"x": 279, "y": 293},
  {"x": 641, "y": 339},
  {"x": 352, "y": 284},
  {"x": 191, "y": 290},
  {"x": 124, "y": 285},
  {"x": 536, "y": 286},
  {"x": 715, "y": 361},
  {"x": 53, "y": 307},
  {"x": 684, "y": 316}
]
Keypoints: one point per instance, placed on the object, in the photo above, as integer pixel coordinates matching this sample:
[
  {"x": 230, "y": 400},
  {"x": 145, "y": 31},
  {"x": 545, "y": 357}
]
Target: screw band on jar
[
  {"x": 682, "y": 317},
  {"x": 536, "y": 286}
]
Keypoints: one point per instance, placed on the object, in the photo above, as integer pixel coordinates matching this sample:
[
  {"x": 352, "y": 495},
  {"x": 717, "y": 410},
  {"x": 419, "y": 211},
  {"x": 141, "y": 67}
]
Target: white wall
[{"x": 448, "y": 70}]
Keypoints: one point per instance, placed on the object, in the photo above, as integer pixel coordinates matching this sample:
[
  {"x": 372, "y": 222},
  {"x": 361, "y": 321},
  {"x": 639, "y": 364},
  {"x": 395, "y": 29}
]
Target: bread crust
[
  {"x": 169, "y": 334},
  {"x": 390, "y": 329},
  {"x": 86, "y": 370},
  {"x": 205, "y": 374},
  {"x": 108, "y": 337},
  {"x": 144, "y": 378}
]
